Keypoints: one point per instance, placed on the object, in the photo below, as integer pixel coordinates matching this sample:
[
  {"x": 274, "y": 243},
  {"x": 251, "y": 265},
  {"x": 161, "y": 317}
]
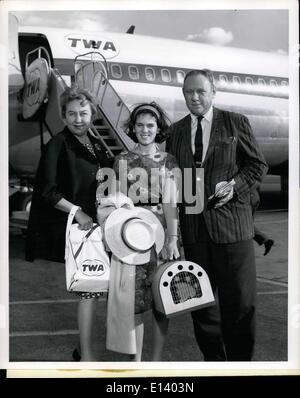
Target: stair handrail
[
  {"x": 96, "y": 85},
  {"x": 39, "y": 51},
  {"x": 92, "y": 53},
  {"x": 122, "y": 136},
  {"x": 57, "y": 72}
]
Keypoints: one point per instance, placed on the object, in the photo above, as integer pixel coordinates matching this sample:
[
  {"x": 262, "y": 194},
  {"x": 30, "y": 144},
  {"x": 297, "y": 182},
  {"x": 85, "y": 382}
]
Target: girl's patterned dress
[{"x": 142, "y": 178}]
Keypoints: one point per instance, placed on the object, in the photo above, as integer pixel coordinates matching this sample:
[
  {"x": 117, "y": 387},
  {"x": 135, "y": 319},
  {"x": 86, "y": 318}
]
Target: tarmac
[{"x": 43, "y": 316}]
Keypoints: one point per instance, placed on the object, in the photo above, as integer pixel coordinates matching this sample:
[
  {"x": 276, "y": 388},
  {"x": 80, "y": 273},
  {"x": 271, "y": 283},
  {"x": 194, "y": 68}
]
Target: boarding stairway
[
  {"x": 91, "y": 73},
  {"x": 108, "y": 128}
]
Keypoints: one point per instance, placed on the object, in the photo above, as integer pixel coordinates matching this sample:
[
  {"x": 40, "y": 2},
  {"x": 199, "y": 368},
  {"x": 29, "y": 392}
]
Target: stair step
[
  {"x": 116, "y": 152},
  {"x": 19, "y": 219},
  {"x": 110, "y": 141},
  {"x": 113, "y": 148},
  {"x": 22, "y": 224},
  {"x": 101, "y": 127},
  {"x": 107, "y": 137}
]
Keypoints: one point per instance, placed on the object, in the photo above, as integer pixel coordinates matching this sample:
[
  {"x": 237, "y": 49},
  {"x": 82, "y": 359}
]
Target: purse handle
[
  {"x": 70, "y": 219},
  {"x": 85, "y": 239},
  {"x": 69, "y": 223},
  {"x": 68, "y": 228}
]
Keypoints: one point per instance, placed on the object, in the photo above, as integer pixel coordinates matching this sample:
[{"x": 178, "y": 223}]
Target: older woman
[{"x": 66, "y": 177}]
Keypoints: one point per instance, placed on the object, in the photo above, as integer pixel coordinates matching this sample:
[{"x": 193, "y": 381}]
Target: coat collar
[{"x": 74, "y": 144}]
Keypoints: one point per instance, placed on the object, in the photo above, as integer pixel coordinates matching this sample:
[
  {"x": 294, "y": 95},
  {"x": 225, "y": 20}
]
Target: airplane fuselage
[{"x": 152, "y": 69}]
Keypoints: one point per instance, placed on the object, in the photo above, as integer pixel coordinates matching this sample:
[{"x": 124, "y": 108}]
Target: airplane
[{"x": 141, "y": 68}]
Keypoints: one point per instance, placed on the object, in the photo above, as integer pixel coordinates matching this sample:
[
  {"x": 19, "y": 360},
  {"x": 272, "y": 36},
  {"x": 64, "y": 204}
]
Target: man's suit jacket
[{"x": 232, "y": 153}]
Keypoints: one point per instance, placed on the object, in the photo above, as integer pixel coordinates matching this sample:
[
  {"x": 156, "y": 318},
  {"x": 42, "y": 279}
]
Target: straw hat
[{"x": 131, "y": 233}]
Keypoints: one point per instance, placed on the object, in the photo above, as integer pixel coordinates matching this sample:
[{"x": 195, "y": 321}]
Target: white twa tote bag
[{"x": 87, "y": 263}]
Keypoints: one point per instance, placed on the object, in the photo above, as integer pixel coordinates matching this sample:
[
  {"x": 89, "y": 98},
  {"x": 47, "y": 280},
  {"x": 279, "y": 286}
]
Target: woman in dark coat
[{"x": 66, "y": 177}]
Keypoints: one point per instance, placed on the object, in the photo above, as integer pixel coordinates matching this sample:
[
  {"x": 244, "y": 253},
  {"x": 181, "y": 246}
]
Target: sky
[{"x": 263, "y": 30}]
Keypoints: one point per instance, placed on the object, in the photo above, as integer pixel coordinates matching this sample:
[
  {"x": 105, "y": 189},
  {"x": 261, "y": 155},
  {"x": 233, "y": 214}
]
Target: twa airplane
[{"x": 138, "y": 68}]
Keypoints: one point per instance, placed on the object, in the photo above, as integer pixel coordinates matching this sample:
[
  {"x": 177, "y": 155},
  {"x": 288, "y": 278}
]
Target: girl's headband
[{"x": 146, "y": 108}]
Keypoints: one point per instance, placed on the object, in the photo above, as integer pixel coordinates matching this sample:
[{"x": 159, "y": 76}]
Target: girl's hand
[
  {"x": 85, "y": 222},
  {"x": 103, "y": 213},
  {"x": 172, "y": 248}
]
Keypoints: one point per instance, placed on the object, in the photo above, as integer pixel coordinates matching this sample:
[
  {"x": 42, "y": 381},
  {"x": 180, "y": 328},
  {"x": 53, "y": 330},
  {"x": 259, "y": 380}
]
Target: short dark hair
[
  {"x": 204, "y": 72},
  {"x": 77, "y": 93},
  {"x": 153, "y": 109}
]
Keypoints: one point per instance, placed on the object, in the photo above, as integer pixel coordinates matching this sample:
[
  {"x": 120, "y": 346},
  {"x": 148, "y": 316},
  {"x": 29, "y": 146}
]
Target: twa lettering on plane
[{"x": 80, "y": 44}]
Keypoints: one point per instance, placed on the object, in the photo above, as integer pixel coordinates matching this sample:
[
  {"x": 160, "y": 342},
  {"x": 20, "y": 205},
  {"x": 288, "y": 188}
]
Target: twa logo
[
  {"x": 93, "y": 268},
  {"x": 36, "y": 86},
  {"x": 81, "y": 44},
  {"x": 32, "y": 87}
]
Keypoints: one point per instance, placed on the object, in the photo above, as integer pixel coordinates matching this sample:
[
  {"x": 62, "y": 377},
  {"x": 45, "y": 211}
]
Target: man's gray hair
[{"x": 204, "y": 72}]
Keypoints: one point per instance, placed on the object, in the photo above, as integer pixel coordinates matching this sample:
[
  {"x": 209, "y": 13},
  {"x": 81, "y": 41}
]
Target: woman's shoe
[{"x": 76, "y": 356}]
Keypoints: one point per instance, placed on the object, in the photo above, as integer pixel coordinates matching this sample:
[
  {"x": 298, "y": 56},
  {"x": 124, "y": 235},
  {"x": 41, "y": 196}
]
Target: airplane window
[
  {"x": 273, "y": 83},
  {"x": 133, "y": 72},
  {"x": 180, "y": 74},
  {"x": 116, "y": 71},
  {"x": 166, "y": 75},
  {"x": 236, "y": 79},
  {"x": 261, "y": 82},
  {"x": 249, "y": 80},
  {"x": 222, "y": 79},
  {"x": 150, "y": 74}
]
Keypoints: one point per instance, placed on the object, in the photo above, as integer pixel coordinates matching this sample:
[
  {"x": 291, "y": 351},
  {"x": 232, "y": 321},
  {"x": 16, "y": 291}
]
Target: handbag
[{"x": 86, "y": 261}]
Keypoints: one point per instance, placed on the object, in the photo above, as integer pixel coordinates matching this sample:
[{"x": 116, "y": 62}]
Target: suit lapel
[
  {"x": 186, "y": 134},
  {"x": 182, "y": 142},
  {"x": 75, "y": 145},
  {"x": 215, "y": 132}
]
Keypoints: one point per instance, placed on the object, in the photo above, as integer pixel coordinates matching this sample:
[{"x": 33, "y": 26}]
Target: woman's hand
[
  {"x": 85, "y": 222},
  {"x": 172, "y": 248}
]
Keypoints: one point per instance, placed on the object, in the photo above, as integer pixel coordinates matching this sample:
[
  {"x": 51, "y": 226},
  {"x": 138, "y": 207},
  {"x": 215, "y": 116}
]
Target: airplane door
[{"x": 15, "y": 77}]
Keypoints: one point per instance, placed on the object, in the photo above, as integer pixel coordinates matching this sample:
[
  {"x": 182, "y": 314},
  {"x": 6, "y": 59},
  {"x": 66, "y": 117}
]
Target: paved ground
[{"x": 43, "y": 315}]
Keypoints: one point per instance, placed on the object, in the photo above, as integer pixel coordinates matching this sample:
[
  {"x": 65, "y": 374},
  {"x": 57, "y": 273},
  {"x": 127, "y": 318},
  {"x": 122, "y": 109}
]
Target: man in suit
[{"x": 220, "y": 237}]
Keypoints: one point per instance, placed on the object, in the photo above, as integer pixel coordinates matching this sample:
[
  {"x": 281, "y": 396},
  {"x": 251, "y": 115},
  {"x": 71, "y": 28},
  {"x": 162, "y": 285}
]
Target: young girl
[
  {"x": 66, "y": 177},
  {"x": 146, "y": 126}
]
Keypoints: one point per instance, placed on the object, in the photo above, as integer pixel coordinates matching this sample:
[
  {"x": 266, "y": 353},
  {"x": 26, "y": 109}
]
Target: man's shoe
[{"x": 268, "y": 246}]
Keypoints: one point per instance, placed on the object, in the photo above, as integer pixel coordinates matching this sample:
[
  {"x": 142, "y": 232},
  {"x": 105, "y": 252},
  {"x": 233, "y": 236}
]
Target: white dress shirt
[{"x": 206, "y": 124}]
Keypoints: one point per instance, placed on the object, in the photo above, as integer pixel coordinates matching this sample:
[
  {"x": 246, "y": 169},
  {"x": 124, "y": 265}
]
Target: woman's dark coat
[{"x": 66, "y": 170}]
